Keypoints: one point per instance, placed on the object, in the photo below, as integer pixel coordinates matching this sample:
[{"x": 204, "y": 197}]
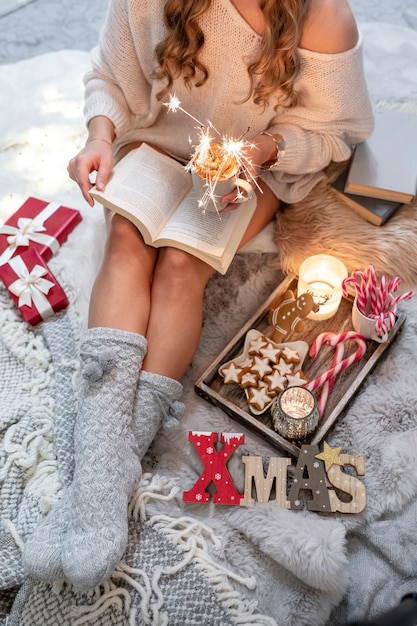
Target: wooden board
[{"x": 231, "y": 398}]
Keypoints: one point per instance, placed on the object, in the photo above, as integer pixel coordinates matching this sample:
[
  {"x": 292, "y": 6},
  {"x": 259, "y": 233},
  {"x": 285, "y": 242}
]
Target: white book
[
  {"x": 155, "y": 192},
  {"x": 385, "y": 165}
]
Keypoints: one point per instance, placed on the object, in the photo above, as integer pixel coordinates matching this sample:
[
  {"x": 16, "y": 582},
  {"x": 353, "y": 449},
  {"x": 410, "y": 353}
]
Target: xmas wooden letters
[{"x": 319, "y": 482}]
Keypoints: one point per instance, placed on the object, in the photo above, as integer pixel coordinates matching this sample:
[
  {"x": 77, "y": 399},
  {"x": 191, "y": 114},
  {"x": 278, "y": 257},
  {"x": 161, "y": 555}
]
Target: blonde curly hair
[{"x": 275, "y": 68}]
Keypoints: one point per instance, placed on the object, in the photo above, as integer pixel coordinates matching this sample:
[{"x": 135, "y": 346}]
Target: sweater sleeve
[
  {"x": 109, "y": 87},
  {"x": 332, "y": 114}
]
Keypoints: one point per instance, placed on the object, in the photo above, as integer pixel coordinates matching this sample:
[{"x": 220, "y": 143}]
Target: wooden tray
[{"x": 232, "y": 399}]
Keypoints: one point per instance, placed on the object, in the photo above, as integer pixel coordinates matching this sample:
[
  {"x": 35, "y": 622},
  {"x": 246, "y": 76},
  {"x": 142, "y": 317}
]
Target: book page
[
  {"x": 208, "y": 230},
  {"x": 148, "y": 185}
]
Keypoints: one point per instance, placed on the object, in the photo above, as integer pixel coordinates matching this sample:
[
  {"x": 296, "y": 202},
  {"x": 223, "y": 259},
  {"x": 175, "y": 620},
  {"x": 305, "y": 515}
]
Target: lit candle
[
  {"x": 295, "y": 413},
  {"x": 322, "y": 276}
]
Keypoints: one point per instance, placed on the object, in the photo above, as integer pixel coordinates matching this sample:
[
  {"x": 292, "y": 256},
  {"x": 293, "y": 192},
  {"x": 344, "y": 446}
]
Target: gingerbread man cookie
[{"x": 288, "y": 315}]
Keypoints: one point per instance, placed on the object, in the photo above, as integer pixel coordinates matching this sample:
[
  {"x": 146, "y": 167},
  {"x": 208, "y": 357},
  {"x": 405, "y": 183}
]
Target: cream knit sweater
[{"x": 333, "y": 111}]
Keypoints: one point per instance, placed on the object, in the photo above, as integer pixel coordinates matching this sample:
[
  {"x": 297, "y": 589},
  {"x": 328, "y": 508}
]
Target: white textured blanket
[{"x": 259, "y": 565}]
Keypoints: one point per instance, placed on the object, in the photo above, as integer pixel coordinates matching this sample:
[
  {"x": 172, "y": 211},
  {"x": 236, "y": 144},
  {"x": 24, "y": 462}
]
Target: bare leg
[
  {"x": 121, "y": 294},
  {"x": 155, "y": 293},
  {"x": 176, "y": 312}
]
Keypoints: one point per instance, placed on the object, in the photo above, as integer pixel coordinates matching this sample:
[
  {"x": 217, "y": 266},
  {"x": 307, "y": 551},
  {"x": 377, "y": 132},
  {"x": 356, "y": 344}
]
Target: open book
[{"x": 155, "y": 192}]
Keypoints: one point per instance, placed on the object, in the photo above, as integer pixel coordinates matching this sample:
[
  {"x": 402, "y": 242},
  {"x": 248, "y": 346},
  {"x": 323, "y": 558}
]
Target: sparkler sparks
[
  {"x": 174, "y": 105},
  {"x": 216, "y": 159}
]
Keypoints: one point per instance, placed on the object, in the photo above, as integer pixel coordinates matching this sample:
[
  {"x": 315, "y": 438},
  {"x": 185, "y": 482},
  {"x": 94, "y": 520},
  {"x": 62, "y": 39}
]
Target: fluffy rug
[
  {"x": 255, "y": 565},
  {"x": 9, "y": 6}
]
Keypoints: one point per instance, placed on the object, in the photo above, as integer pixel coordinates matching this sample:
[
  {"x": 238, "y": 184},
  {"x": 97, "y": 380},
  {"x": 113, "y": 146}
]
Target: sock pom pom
[
  {"x": 95, "y": 369},
  {"x": 107, "y": 359},
  {"x": 174, "y": 414}
]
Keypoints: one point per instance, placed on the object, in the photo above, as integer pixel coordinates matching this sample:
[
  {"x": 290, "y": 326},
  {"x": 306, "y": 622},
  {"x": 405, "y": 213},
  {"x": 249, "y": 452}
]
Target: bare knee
[
  {"x": 179, "y": 273},
  {"x": 125, "y": 246}
]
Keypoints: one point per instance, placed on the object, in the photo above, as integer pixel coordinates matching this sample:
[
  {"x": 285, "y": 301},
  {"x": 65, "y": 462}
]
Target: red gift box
[
  {"x": 38, "y": 224},
  {"x": 33, "y": 287}
]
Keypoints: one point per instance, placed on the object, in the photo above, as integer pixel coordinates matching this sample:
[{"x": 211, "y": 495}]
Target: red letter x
[{"x": 214, "y": 468}]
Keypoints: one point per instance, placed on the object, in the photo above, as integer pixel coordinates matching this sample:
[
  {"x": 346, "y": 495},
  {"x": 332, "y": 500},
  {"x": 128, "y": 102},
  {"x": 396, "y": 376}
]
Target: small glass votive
[
  {"x": 322, "y": 276},
  {"x": 295, "y": 413}
]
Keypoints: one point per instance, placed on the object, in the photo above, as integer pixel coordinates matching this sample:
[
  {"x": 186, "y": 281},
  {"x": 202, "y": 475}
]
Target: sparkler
[{"x": 216, "y": 157}]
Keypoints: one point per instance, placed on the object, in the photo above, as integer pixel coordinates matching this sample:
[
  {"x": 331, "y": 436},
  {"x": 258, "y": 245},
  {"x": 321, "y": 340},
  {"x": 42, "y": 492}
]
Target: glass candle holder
[
  {"x": 322, "y": 276},
  {"x": 295, "y": 413}
]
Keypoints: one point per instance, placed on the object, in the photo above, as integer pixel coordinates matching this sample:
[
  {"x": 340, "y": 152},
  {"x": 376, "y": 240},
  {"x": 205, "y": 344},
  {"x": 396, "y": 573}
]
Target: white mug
[
  {"x": 210, "y": 193},
  {"x": 365, "y": 326}
]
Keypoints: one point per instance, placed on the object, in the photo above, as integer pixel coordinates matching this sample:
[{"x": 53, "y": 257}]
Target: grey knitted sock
[
  {"x": 157, "y": 402},
  {"x": 42, "y": 553},
  {"x": 107, "y": 466}
]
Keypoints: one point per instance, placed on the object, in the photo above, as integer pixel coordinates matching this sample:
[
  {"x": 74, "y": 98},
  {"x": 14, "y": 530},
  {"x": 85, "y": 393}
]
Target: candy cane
[
  {"x": 345, "y": 363},
  {"x": 362, "y": 295},
  {"x": 394, "y": 284},
  {"x": 383, "y": 295},
  {"x": 404, "y": 296},
  {"x": 332, "y": 339},
  {"x": 351, "y": 280},
  {"x": 371, "y": 287},
  {"x": 360, "y": 288},
  {"x": 328, "y": 385},
  {"x": 354, "y": 278},
  {"x": 392, "y": 319},
  {"x": 328, "y": 338},
  {"x": 347, "y": 334},
  {"x": 381, "y": 327},
  {"x": 384, "y": 322},
  {"x": 320, "y": 341}
]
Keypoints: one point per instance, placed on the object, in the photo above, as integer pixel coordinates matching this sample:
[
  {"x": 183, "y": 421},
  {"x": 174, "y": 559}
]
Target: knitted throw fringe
[
  {"x": 191, "y": 537},
  {"x": 29, "y": 478},
  {"x": 35, "y": 453}
]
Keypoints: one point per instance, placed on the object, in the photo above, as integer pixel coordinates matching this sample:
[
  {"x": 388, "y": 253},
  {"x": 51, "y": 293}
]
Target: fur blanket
[{"x": 261, "y": 564}]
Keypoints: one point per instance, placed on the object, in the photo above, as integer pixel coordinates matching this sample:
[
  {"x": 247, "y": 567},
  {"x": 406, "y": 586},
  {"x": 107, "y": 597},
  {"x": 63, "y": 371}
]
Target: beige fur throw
[{"x": 322, "y": 223}]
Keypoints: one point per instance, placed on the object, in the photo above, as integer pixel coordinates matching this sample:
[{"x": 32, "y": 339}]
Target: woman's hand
[
  {"x": 96, "y": 156},
  {"x": 261, "y": 149}
]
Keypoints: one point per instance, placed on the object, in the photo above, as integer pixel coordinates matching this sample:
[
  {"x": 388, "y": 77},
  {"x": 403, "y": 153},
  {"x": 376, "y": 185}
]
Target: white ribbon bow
[
  {"x": 30, "y": 287},
  {"x": 27, "y": 230}
]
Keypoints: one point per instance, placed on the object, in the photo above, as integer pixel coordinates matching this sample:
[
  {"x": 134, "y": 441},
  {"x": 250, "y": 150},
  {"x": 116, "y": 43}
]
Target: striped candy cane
[
  {"x": 394, "y": 284},
  {"x": 372, "y": 287},
  {"x": 328, "y": 385},
  {"x": 344, "y": 363},
  {"x": 384, "y": 322},
  {"x": 404, "y": 296},
  {"x": 320, "y": 341},
  {"x": 381, "y": 326},
  {"x": 358, "y": 279},
  {"x": 383, "y": 295}
]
